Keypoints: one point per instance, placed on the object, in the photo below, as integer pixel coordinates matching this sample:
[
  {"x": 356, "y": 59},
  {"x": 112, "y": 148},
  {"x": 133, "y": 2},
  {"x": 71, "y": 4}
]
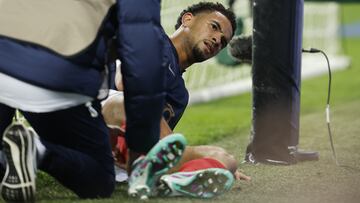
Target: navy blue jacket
[{"x": 44, "y": 56}]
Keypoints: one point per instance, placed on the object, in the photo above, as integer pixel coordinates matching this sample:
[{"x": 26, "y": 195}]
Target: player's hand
[{"x": 241, "y": 176}]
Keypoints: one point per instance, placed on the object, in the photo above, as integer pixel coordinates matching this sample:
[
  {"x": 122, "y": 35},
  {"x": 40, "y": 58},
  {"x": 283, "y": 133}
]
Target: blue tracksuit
[{"x": 62, "y": 46}]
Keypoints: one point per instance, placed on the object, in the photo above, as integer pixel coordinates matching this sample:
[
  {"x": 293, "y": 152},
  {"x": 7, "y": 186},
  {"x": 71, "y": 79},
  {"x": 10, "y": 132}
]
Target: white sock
[{"x": 40, "y": 148}]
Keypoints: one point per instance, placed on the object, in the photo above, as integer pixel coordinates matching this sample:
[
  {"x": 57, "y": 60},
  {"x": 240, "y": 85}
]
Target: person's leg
[
  {"x": 113, "y": 109},
  {"x": 191, "y": 153},
  {"x": 207, "y": 151},
  {"x": 148, "y": 169},
  {"x": 204, "y": 171},
  {"x": 78, "y": 152},
  {"x": 214, "y": 152},
  {"x": 6, "y": 116},
  {"x": 203, "y": 178},
  {"x": 18, "y": 183}
]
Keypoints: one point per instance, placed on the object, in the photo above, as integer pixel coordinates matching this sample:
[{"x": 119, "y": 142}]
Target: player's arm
[
  {"x": 140, "y": 43},
  {"x": 165, "y": 129}
]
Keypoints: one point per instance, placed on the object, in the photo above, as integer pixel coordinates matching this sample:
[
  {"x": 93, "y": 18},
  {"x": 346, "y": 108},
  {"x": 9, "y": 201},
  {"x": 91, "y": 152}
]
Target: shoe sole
[
  {"x": 18, "y": 184},
  {"x": 161, "y": 158},
  {"x": 207, "y": 183}
]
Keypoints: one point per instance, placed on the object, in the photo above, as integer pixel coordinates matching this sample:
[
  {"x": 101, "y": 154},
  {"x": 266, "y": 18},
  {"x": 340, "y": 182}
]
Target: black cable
[{"x": 312, "y": 50}]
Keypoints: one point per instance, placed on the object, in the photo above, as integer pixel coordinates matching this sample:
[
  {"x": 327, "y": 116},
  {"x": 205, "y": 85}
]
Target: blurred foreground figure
[{"x": 53, "y": 57}]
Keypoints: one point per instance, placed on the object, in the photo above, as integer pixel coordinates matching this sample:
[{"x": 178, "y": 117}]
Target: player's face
[{"x": 210, "y": 32}]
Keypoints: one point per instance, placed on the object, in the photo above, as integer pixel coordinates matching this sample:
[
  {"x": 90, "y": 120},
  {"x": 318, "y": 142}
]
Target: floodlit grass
[
  {"x": 320, "y": 181},
  {"x": 350, "y": 13},
  {"x": 215, "y": 120},
  {"x": 227, "y": 123}
]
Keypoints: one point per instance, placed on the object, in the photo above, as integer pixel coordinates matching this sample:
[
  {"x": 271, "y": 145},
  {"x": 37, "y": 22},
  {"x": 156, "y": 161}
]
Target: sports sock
[
  {"x": 122, "y": 155},
  {"x": 40, "y": 150}
]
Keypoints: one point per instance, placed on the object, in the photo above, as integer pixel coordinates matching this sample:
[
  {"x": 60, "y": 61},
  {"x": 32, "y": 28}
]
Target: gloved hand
[{"x": 241, "y": 48}]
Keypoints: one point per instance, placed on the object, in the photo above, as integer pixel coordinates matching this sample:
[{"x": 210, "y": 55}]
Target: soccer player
[
  {"x": 52, "y": 59},
  {"x": 202, "y": 30}
]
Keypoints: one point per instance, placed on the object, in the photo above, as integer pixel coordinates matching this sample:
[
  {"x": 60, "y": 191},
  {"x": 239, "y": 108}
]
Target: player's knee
[
  {"x": 208, "y": 150},
  {"x": 230, "y": 162},
  {"x": 219, "y": 150},
  {"x": 226, "y": 158},
  {"x": 113, "y": 111}
]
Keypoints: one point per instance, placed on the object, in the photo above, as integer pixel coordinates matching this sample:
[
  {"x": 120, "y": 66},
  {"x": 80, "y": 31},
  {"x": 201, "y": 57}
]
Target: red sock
[
  {"x": 122, "y": 147},
  {"x": 199, "y": 164}
]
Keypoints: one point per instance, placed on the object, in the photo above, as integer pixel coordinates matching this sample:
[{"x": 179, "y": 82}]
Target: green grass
[
  {"x": 226, "y": 123},
  {"x": 208, "y": 122},
  {"x": 350, "y": 13},
  {"x": 320, "y": 181},
  {"x": 226, "y": 116}
]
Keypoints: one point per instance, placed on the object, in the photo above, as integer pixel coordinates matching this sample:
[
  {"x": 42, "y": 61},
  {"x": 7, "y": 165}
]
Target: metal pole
[{"x": 277, "y": 42}]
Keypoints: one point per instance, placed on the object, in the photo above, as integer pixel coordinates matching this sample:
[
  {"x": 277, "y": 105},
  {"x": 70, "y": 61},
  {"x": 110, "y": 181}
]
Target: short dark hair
[{"x": 208, "y": 7}]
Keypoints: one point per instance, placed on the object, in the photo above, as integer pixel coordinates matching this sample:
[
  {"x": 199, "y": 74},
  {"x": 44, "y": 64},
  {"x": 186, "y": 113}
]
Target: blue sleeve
[
  {"x": 176, "y": 102},
  {"x": 140, "y": 48}
]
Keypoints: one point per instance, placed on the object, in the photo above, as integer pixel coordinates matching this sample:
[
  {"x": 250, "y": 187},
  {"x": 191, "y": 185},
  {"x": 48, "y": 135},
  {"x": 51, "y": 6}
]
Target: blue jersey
[{"x": 177, "y": 95}]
